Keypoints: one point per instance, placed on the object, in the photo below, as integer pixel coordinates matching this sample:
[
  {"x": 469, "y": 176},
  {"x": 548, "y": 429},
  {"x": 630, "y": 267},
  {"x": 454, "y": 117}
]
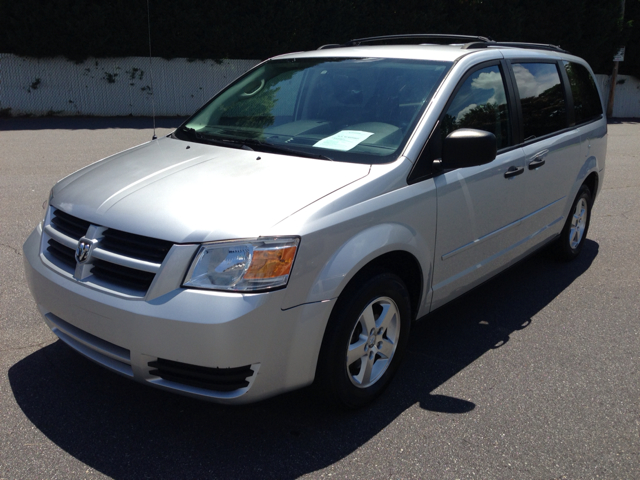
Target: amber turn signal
[{"x": 271, "y": 263}]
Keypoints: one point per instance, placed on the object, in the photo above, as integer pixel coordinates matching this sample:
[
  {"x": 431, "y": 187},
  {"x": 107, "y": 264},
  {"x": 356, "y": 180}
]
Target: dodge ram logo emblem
[{"x": 82, "y": 251}]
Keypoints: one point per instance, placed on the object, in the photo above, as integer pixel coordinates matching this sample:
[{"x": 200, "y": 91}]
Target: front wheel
[
  {"x": 365, "y": 340},
  {"x": 574, "y": 233}
]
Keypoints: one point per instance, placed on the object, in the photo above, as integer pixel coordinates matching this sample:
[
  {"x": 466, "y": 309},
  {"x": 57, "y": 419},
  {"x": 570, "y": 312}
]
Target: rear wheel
[
  {"x": 574, "y": 233},
  {"x": 365, "y": 340}
]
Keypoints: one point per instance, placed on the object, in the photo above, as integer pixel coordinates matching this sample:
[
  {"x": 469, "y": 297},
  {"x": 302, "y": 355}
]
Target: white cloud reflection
[
  {"x": 465, "y": 110},
  {"x": 536, "y": 79},
  {"x": 490, "y": 81}
]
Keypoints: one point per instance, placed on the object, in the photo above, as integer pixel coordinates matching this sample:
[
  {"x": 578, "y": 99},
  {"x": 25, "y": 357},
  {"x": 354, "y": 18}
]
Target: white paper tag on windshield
[{"x": 344, "y": 140}]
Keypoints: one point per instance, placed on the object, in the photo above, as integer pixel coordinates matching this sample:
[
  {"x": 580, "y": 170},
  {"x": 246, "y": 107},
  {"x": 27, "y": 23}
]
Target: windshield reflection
[{"x": 355, "y": 110}]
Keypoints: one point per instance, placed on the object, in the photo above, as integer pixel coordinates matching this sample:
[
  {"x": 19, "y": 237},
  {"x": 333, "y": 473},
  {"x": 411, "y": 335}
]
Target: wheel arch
[
  {"x": 592, "y": 181},
  {"x": 393, "y": 247},
  {"x": 400, "y": 263},
  {"x": 588, "y": 175}
]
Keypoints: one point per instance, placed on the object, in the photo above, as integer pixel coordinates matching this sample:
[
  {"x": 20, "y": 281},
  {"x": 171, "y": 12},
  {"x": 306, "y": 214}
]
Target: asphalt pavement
[{"x": 534, "y": 375}]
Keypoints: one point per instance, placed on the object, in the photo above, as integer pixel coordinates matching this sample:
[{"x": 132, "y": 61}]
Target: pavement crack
[
  {"x": 620, "y": 188},
  {"x": 16, "y": 250},
  {"x": 33, "y": 345}
]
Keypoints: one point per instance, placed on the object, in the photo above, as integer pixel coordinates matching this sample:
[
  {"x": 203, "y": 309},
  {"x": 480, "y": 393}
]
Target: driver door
[{"x": 479, "y": 208}]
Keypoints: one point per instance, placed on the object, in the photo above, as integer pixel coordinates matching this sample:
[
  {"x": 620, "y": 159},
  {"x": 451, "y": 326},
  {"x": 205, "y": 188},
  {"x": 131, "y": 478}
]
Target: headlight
[{"x": 243, "y": 265}]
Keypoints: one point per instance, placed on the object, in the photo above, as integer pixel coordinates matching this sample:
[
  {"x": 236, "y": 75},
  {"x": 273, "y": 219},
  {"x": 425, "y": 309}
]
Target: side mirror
[{"x": 468, "y": 147}]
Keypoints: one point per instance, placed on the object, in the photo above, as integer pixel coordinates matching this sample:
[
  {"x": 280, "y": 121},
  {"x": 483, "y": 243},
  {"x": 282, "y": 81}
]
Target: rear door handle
[
  {"x": 513, "y": 171},
  {"x": 538, "y": 159},
  {"x": 536, "y": 163}
]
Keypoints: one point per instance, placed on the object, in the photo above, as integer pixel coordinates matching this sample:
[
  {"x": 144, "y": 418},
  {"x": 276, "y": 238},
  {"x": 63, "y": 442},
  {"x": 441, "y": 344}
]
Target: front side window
[
  {"x": 360, "y": 110},
  {"x": 542, "y": 99},
  {"x": 586, "y": 100},
  {"x": 481, "y": 103}
]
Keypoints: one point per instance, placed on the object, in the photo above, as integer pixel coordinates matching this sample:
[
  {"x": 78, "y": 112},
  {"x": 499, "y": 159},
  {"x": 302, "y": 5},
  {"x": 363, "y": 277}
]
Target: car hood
[{"x": 188, "y": 192}]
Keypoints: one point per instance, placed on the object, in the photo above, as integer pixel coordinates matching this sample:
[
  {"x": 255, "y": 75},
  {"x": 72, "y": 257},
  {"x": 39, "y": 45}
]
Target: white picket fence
[{"x": 122, "y": 86}]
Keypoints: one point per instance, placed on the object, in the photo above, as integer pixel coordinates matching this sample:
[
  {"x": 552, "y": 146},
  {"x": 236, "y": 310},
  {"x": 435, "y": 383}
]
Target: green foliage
[
  {"x": 483, "y": 117},
  {"x": 255, "y": 29}
]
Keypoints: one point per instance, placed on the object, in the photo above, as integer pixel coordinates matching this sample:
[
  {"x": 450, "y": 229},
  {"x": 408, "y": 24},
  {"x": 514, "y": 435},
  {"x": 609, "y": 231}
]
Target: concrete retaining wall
[
  {"x": 122, "y": 86},
  {"x": 112, "y": 86}
]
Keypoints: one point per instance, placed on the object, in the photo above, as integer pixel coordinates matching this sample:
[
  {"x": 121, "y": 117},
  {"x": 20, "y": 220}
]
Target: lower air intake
[{"x": 216, "y": 379}]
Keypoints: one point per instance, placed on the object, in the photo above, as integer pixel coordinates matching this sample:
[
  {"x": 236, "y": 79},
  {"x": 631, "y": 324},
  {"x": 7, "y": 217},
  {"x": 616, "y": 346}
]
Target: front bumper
[{"x": 195, "y": 327}]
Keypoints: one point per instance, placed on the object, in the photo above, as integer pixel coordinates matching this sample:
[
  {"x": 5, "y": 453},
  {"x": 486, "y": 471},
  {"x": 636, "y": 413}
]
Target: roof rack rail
[
  {"x": 535, "y": 46},
  {"x": 419, "y": 36},
  {"x": 470, "y": 41}
]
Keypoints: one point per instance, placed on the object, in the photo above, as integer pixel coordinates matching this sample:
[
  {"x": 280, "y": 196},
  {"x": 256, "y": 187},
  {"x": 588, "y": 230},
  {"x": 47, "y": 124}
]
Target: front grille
[
  {"x": 216, "y": 379},
  {"x": 69, "y": 225},
  {"x": 62, "y": 253},
  {"x": 120, "y": 275},
  {"x": 128, "y": 275},
  {"x": 135, "y": 246}
]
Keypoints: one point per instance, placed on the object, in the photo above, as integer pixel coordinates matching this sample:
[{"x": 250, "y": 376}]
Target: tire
[
  {"x": 365, "y": 340},
  {"x": 574, "y": 233}
]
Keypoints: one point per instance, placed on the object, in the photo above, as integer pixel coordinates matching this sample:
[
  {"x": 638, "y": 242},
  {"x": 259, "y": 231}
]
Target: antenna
[{"x": 153, "y": 107}]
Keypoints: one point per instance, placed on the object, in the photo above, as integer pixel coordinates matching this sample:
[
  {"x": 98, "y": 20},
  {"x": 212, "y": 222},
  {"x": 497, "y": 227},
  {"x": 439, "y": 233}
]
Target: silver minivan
[{"x": 295, "y": 226}]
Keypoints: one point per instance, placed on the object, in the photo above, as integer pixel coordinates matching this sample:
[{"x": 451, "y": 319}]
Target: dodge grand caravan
[{"x": 295, "y": 226}]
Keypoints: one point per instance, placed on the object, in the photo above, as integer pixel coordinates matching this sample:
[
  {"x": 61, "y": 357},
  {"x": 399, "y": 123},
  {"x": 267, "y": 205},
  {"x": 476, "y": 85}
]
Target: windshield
[{"x": 353, "y": 110}]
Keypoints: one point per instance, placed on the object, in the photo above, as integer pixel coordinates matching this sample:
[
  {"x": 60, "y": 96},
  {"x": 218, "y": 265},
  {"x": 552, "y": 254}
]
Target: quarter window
[
  {"x": 586, "y": 100},
  {"x": 542, "y": 98},
  {"x": 481, "y": 103}
]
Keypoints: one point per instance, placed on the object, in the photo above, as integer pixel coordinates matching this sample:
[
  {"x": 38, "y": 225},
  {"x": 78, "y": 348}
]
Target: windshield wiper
[
  {"x": 272, "y": 148},
  {"x": 200, "y": 137},
  {"x": 251, "y": 144}
]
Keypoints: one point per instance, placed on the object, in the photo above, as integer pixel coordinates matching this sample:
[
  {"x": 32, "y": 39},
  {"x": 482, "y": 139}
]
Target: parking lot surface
[{"x": 535, "y": 374}]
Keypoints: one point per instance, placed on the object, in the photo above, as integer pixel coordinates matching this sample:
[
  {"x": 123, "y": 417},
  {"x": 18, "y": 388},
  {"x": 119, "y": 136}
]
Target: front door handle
[
  {"x": 513, "y": 171},
  {"x": 536, "y": 163}
]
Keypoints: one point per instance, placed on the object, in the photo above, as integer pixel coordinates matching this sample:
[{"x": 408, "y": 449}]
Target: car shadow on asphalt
[{"x": 126, "y": 430}]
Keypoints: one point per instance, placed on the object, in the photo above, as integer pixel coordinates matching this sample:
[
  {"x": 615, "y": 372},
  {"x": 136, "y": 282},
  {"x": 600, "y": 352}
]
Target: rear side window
[
  {"x": 586, "y": 100},
  {"x": 542, "y": 98},
  {"x": 481, "y": 103}
]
